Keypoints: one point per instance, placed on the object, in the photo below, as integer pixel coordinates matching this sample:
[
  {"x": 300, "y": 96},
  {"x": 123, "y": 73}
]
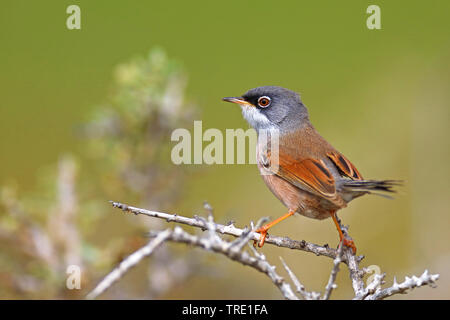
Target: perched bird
[{"x": 310, "y": 177}]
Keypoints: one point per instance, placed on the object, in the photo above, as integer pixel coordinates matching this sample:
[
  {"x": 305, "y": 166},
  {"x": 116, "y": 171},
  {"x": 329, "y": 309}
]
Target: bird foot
[
  {"x": 262, "y": 239},
  {"x": 349, "y": 243}
]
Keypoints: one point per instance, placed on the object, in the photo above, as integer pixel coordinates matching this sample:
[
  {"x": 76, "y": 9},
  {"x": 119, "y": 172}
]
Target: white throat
[{"x": 256, "y": 119}]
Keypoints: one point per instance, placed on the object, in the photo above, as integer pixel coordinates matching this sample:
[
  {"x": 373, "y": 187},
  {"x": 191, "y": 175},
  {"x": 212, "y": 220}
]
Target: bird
[{"x": 302, "y": 169}]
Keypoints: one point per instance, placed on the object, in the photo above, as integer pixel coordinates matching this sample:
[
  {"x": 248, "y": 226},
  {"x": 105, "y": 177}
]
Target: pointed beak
[{"x": 238, "y": 100}]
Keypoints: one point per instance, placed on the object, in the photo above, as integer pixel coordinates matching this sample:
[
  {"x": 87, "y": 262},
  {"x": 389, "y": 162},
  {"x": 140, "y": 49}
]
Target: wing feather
[
  {"x": 309, "y": 174},
  {"x": 345, "y": 167}
]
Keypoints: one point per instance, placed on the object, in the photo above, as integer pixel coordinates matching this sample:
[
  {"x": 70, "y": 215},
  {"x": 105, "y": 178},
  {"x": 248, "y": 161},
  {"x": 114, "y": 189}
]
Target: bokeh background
[{"x": 86, "y": 116}]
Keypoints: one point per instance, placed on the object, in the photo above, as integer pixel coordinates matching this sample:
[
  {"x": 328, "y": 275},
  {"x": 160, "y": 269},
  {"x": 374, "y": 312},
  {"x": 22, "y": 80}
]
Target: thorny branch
[
  {"x": 230, "y": 229},
  {"x": 409, "y": 283},
  {"x": 210, "y": 242},
  {"x": 235, "y": 251}
]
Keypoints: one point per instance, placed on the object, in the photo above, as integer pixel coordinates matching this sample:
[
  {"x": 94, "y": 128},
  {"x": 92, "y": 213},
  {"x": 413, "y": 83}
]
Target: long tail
[{"x": 378, "y": 187}]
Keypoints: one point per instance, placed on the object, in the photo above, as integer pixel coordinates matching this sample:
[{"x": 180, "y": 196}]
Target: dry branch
[
  {"x": 230, "y": 229},
  {"x": 300, "y": 287},
  {"x": 210, "y": 242},
  {"x": 408, "y": 284},
  {"x": 131, "y": 261},
  {"x": 331, "y": 281},
  {"x": 235, "y": 251}
]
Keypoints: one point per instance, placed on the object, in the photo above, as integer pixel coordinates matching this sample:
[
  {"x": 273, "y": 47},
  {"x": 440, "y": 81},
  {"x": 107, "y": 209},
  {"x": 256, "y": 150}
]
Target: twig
[
  {"x": 128, "y": 263},
  {"x": 409, "y": 283},
  {"x": 352, "y": 261},
  {"x": 300, "y": 287},
  {"x": 331, "y": 281},
  {"x": 356, "y": 274}
]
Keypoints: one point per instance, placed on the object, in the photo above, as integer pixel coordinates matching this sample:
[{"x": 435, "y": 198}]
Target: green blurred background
[{"x": 381, "y": 97}]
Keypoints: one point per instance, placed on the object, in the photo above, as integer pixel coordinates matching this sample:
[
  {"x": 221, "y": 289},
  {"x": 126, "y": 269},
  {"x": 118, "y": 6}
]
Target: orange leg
[
  {"x": 263, "y": 230},
  {"x": 347, "y": 242}
]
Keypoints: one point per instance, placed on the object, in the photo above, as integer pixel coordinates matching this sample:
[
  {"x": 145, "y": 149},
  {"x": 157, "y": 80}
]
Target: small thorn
[{"x": 302, "y": 243}]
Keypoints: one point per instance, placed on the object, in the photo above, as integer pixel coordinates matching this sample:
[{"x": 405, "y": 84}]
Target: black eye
[{"x": 264, "y": 101}]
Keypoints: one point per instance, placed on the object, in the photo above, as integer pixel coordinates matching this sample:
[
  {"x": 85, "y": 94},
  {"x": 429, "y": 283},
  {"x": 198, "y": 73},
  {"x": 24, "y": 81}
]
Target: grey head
[{"x": 272, "y": 107}]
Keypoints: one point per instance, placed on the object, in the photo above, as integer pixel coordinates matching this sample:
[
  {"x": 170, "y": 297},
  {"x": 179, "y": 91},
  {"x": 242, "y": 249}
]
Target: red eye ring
[{"x": 264, "y": 101}]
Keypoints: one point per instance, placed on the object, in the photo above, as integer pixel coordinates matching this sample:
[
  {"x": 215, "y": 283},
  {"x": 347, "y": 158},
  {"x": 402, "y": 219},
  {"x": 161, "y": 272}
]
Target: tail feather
[{"x": 378, "y": 187}]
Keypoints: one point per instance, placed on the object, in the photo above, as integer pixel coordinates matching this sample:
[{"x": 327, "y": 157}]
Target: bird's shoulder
[{"x": 306, "y": 144}]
